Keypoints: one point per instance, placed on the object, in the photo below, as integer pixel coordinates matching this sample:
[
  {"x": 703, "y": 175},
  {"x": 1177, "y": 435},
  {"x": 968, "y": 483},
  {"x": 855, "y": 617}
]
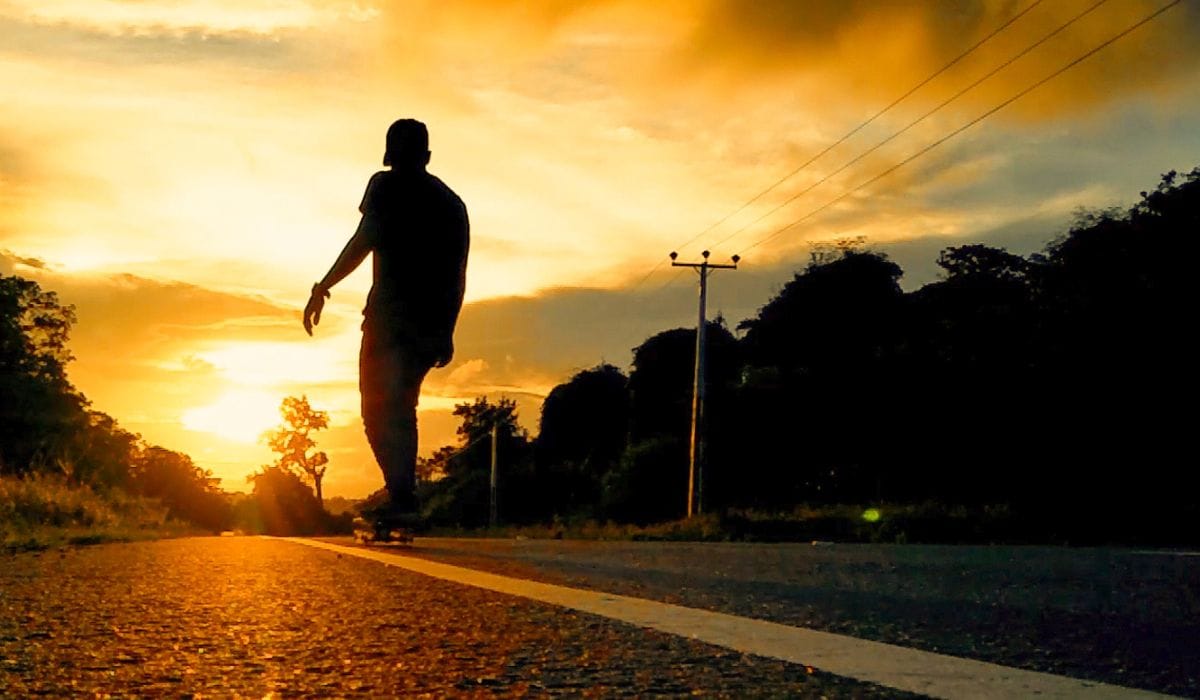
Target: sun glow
[
  {"x": 80, "y": 257},
  {"x": 278, "y": 364},
  {"x": 239, "y": 415}
]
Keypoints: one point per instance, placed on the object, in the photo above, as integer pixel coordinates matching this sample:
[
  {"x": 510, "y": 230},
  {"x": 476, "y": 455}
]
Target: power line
[
  {"x": 673, "y": 280},
  {"x": 866, "y": 123},
  {"x": 1011, "y": 60},
  {"x": 467, "y": 446},
  {"x": 849, "y": 134},
  {"x": 648, "y": 275},
  {"x": 973, "y": 122}
]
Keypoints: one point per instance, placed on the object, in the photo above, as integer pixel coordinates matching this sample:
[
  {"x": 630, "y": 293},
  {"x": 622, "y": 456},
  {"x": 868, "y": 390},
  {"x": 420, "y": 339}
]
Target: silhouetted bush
[{"x": 286, "y": 506}]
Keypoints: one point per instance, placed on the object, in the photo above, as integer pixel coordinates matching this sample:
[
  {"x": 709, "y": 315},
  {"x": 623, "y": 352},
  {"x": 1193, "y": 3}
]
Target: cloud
[
  {"x": 11, "y": 263},
  {"x": 12, "y": 163},
  {"x": 146, "y": 47},
  {"x": 146, "y": 332},
  {"x": 738, "y": 94},
  {"x": 827, "y": 57},
  {"x": 465, "y": 372},
  {"x": 258, "y": 16},
  {"x": 864, "y": 49}
]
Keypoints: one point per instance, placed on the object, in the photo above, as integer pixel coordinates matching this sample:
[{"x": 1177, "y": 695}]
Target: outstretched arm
[{"x": 348, "y": 261}]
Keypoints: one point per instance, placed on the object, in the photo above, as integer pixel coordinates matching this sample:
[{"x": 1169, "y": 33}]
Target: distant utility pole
[
  {"x": 492, "y": 498},
  {"x": 695, "y": 495}
]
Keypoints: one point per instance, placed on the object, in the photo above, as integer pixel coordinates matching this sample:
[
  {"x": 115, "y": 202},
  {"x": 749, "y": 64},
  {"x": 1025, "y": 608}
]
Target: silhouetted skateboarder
[{"x": 418, "y": 230}]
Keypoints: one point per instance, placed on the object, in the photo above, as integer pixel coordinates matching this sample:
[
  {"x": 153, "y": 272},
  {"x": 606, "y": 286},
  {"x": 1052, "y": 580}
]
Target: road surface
[
  {"x": 1114, "y": 615},
  {"x": 251, "y": 617}
]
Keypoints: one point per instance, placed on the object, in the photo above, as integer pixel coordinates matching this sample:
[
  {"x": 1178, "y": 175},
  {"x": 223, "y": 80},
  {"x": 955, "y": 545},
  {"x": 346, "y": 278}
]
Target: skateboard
[{"x": 382, "y": 531}]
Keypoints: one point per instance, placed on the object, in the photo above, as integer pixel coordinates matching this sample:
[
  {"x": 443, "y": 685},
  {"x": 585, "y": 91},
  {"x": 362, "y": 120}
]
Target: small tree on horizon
[{"x": 293, "y": 442}]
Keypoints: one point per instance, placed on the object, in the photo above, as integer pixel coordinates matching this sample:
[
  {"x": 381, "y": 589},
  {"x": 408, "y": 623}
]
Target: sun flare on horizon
[{"x": 238, "y": 415}]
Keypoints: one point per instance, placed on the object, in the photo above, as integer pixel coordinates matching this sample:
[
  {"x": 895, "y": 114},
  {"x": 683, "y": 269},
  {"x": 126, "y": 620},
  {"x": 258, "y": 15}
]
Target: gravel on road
[{"x": 225, "y": 617}]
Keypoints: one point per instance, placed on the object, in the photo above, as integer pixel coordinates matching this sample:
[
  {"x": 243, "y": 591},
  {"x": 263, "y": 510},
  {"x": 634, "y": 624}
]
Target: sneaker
[
  {"x": 381, "y": 502},
  {"x": 411, "y": 520}
]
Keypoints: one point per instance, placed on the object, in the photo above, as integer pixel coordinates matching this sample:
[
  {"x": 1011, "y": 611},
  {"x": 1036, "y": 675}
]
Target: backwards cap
[{"x": 406, "y": 139}]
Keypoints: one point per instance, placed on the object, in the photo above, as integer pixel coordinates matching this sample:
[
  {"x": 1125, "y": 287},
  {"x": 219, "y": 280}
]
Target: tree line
[
  {"x": 47, "y": 426},
  {"x": 1057, "y": 384}
]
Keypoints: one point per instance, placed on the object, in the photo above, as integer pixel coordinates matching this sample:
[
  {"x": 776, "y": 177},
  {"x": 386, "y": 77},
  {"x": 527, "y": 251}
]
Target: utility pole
[
  {"x": 492, "y": 498},
  {"x": 695, "y": 495}
]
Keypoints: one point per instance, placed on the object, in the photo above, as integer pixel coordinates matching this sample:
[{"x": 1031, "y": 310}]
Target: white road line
[{"x": 886, "y": 664}]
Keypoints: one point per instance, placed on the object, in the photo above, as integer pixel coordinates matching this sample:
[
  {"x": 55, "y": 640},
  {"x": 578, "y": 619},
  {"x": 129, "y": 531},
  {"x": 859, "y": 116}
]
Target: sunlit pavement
[{"x": 252, "y": 616}]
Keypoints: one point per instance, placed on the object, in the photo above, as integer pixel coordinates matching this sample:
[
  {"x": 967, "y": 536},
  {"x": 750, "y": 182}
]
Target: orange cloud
[
  {"x": 833, "y": 54},
  {"x": 862, "y": 49}
]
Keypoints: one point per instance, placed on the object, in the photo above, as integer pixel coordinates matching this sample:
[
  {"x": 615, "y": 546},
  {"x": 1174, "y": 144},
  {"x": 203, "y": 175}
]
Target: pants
[{"x": 390, "y": 373}]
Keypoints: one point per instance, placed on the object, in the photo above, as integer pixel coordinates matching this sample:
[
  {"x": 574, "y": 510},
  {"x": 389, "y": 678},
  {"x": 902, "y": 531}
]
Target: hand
[
  {"x": 312, "y": 310},
  {"x": 444, "y": 354}
]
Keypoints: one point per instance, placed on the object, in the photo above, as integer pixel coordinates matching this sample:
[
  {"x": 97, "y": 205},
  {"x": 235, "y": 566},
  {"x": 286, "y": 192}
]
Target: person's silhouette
[{"x": 417, "y": 229}]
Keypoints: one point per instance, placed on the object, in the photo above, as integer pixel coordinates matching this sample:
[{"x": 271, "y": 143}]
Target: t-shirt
[{"x": 420, "y": 242}]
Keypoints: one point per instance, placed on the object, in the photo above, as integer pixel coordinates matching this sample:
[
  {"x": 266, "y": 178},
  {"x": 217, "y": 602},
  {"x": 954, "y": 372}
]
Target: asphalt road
[
  {"x": 1117, "y": 616},
  {"x": 224, "y": 617}
]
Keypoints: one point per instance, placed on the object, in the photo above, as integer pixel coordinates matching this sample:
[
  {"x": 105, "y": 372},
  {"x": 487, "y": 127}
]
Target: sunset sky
[{"x": 183, "y": 171}]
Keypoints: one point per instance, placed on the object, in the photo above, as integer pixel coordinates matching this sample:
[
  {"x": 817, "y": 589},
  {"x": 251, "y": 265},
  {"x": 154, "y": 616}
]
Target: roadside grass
[
  {"x": 703, "y": 528},
  {"x": 923, "y": 523},
  {"x": 42, "y": 512},
  {"x": 926, "y": 523}
]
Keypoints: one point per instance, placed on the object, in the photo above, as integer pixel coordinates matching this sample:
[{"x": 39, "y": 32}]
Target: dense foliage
[{"x": 1055, "y": 386}]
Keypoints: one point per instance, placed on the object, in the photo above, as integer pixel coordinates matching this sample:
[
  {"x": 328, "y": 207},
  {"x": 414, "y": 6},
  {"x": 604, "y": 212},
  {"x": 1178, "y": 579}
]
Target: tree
[
  {"x": 102, "y": 452},
  {"x": 294, "y": 444},
  {"x": 660, "y": 397},
  {"x": 189, "y": 492},
  {"x": 434, "y": 468},
  {"x": 461, "y": 497},
  {"x": 34, "y": 328},
  {"x": 585, "y": 417},
  {"x": 840, "y": 312},
  {"x": 649, "y": 484},
  {"x": 479, "y": 416},
  {"x": 817, "y": 381},
  {"x": 285, "y": 504},
  {"x": 660, "y": 385},
  {"x": 972, "y": 335},
  {"x": 39, "y": 409},
  {"x": 583, "y": 430},
  {"x": 981, "y": 261},
  {"x": 1116, "y": 301}
]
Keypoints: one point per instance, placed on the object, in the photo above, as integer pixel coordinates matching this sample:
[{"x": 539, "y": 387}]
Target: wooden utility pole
[
  {"x": 492, "y": 498},
  {"x": 695, "y": 495}
]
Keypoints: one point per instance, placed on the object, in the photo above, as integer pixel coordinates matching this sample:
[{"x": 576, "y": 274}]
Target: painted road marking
[{"x": 894, "y": 666}]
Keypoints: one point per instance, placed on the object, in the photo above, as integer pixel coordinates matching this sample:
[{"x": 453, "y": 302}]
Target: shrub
[{"x": 39, "y": 510}]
